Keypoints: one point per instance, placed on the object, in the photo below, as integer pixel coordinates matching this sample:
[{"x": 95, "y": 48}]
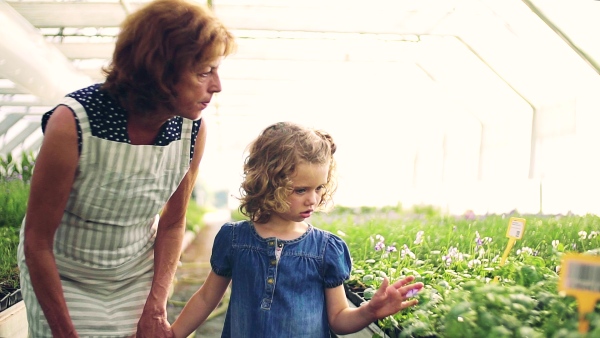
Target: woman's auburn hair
[
  {"x": 271, "y": 162},
  {"x": 156, "y": 44}
]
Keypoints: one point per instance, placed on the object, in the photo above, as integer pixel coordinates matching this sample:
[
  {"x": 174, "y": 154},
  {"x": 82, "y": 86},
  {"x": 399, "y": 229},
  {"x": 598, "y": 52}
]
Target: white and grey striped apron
[{"x": 104, "y": 244}]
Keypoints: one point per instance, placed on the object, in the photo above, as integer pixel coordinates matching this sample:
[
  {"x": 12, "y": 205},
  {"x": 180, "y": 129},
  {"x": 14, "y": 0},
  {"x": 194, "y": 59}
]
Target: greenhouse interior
[
  {"x": 453, "y": 119},
  {"x": 479, "y": 105}
]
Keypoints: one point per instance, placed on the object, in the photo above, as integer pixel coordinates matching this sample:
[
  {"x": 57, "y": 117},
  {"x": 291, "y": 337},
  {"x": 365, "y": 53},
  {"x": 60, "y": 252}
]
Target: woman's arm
[
  {"x": 167, "y": 249},
  {"x": 50, "y": 187},
  {"x": 388, "y": 300},
  {"x": 202, "y": 303}
]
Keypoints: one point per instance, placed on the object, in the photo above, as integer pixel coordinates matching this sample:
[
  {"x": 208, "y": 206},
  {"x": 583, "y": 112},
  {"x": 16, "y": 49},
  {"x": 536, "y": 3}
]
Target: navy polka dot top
[{"x": 108, "y": 119}]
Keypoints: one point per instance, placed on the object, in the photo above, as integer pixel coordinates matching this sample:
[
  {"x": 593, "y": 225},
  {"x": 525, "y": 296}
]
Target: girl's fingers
[
  {"x": 403, "y": 282},
  {"x": 409, "y": 303},
  {"x": 415, "y": 288},
  {"x": 410, "y": 290},
  {"x": 385, "y": 283}
]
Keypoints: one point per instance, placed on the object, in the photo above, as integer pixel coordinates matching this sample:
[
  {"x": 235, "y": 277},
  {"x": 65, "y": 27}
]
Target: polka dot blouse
[{"x": 108, "y": 120}]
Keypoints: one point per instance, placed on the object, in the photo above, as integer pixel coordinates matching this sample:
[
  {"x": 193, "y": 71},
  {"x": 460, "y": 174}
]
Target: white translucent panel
[
  {"x": 321, "y": 48},
  {"x": 335, "y": 16},
  {"x": 522, "y": 49},
  {"x": 6, "y": 83},
  {"x": 35, "y": 65},
  {"x": 466, "y": 104},
  {"x": 577, "y": 20},
  {"x": 466, "y": 79}
]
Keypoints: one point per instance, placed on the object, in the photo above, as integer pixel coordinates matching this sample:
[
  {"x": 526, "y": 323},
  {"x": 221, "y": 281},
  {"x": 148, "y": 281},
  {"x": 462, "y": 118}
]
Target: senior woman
[{"x": 102, "y": 235}]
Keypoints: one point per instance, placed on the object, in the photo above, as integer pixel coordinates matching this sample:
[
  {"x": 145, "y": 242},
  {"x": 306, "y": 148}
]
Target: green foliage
[
  {"x": 11, "y": 170},
  {"x": 457, "y": 258},
  {"x": 14, "y": 192},
  {"x": 9, "y": 240},
  {"x": 194, "y": 214},
  {"x": 236, "y": 215},
  {"x": 13, "y": 202}
]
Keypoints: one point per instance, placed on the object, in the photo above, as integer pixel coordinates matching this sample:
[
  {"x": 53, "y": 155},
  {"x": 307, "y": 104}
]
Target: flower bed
[
  {"x": 458, "y": 258},
  {"x": 13, "y": 199},
  {"x": 14, "y": 192}
]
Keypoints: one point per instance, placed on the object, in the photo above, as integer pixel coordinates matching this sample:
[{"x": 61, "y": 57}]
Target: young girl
[{"x": 287, "y": 276}]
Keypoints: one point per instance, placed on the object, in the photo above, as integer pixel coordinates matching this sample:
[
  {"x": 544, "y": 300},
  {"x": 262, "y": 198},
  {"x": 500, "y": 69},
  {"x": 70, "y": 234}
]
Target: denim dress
[{"x": 278, "y": 297}]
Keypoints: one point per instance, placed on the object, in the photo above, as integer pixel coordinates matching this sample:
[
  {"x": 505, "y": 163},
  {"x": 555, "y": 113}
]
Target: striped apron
[{"x": 104, "y": 244}]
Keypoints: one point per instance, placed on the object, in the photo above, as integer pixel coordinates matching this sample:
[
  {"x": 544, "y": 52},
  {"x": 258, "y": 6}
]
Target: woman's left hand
[{"x": 153, "y": 326}]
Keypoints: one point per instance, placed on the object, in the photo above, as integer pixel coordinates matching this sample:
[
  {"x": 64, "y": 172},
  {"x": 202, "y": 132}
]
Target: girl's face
[
  {"x": 195, "y": 90},
  {"x": 308, "y": 188}
]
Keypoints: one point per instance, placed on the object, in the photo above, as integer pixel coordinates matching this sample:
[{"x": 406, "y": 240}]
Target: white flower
[
  {"x": 460, "y": 319},
  {"x": 341, "y": 233},
  {"x": 525, "y": 250},
  {"x": 406, "y": 251},
  {"x": 473, "y": 263},
  {"x": 555, "y": 243},
  {"x": 419, "y": 238},
  {"x": 582, "y": 234}
]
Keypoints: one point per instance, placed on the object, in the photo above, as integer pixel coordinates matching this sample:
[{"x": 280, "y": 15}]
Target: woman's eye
[{"x": 205, "y": 72}]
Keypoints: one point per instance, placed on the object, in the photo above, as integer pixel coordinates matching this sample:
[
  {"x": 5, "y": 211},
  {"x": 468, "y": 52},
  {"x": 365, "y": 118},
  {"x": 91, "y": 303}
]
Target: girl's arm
[
  {"x": 388, "y": 300},
  {"x": 51, "y": 184},
  {"x": 167, "y": 248},
  {"x": 202, "y": 303}
]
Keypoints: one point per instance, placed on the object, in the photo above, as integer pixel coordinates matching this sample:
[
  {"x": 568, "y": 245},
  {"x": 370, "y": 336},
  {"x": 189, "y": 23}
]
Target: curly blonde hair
[{"x": 272, "y": 159}]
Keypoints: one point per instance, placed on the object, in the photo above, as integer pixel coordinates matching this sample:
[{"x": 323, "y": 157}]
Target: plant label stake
[
  {"x": 516, "y": 228},
  {"x": 580, "y": 277}
]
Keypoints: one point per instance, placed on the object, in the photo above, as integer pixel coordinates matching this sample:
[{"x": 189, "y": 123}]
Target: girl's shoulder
[
  {"x": 235, "y": 226},
  {"x": 330, "y": 235}
]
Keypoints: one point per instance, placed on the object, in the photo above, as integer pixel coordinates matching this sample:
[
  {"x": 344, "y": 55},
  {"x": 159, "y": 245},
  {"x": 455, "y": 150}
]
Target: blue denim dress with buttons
[{"x": 281, "y": 296}]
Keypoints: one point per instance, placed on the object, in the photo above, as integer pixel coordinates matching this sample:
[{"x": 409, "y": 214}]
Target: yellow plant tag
[
  {"x": 580, "y": 278},
  {"x": 516, "y": 227}
]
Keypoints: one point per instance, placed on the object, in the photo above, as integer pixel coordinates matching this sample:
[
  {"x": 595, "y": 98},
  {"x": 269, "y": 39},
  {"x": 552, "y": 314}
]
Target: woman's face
[{"x": 195, "y": 90}]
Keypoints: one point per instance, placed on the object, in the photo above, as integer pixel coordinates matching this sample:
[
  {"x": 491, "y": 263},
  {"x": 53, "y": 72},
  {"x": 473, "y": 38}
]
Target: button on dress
[{"x": 278, "y": 286}]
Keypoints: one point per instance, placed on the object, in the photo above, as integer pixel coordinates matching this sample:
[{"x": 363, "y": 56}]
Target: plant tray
[
  {"x": 10, "y": 297},
  {"x": 355, "y": 295}
]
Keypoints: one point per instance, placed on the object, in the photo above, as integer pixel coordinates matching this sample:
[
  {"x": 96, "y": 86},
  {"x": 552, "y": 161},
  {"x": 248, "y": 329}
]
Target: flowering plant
[{"x": 458, "y": 260}]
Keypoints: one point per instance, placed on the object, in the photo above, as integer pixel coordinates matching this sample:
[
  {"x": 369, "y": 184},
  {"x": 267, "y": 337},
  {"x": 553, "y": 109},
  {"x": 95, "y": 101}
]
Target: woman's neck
[{"x": 143, "y": 129}]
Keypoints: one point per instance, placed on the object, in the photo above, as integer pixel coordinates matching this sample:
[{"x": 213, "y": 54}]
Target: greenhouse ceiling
[{"x": 458, "y": 89}]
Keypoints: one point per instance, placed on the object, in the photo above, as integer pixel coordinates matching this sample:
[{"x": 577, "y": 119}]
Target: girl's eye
[{"x": 300, "y": 191}]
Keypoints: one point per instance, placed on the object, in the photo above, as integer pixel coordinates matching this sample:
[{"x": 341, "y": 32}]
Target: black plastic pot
[
  {"x": 10, "y": 297},
  {"x": 4, "y": 303}
]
